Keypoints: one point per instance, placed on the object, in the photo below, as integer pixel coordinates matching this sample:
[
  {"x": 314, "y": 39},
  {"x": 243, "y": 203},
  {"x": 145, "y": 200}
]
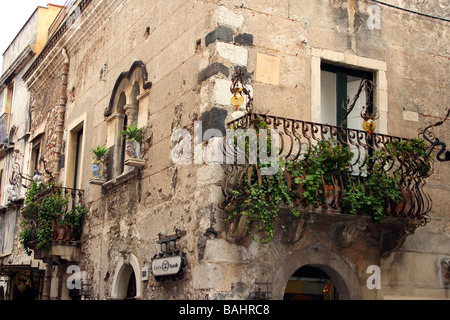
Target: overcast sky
[{"x": 13, "y": 15}]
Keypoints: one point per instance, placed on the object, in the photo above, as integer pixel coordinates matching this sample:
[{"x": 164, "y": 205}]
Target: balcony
[
  {"x": 52, "y": 220},
  {"x": 323, "y": 172}
]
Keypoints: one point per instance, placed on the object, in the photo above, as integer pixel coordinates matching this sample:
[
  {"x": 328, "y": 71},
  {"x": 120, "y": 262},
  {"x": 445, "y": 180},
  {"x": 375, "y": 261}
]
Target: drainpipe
[{"x": 59, "y": 130}]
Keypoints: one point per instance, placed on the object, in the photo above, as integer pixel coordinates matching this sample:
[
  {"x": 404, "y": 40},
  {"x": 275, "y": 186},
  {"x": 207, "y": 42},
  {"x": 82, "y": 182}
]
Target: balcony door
[{"x": 337, "y": 83}]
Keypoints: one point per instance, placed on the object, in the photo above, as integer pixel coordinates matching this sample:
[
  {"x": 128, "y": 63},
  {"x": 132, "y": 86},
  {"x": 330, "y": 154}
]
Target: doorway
[{"x": 310, "y": 283}]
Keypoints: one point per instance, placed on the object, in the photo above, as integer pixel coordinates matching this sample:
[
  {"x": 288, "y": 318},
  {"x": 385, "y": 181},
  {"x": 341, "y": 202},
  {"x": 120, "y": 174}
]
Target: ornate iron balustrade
[{"x": 365, "y": 152}]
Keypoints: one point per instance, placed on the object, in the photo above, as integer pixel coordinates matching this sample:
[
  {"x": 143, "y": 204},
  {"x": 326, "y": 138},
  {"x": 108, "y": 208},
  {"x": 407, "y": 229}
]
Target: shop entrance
[{"x": 310, "y": 283}]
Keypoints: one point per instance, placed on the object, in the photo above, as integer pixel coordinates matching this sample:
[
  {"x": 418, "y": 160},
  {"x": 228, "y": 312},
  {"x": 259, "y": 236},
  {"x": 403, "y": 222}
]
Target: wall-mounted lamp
[{"x": 238, "y": 88}]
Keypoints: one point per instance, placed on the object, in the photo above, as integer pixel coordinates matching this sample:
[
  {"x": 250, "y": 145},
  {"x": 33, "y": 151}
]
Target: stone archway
[
  {"x": 341, "y": 273},
  {"x": 126, "y": 275}
]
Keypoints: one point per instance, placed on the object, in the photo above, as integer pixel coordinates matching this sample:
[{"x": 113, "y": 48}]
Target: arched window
[{"x": 124, "y": 110}]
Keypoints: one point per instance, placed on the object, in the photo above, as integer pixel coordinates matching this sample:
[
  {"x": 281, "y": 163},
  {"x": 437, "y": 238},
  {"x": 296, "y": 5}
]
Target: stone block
[
  {"x": 268, "y": 69},
  {"x": 221, "y": 33},
  {"x": 245, "y": 39},
  {"x": 206, "y": 276},
  {"x": 235, "y": 54},
  {"x": 213, "y": 120},
  {"x": 224, "y": 16},
  {"x": 212, "y": 70},
  {"x": 209, "y": 174}
]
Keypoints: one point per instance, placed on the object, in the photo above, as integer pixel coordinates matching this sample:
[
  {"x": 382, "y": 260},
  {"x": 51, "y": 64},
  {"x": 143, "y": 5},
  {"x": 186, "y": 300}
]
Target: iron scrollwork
[{"x": 443, "y": 154}]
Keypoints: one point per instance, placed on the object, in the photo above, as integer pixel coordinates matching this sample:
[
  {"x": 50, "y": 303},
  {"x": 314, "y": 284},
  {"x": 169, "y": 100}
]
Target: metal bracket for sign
[
  {"x": 263, "y": 290},
  {"x": 169, "y": 249}
]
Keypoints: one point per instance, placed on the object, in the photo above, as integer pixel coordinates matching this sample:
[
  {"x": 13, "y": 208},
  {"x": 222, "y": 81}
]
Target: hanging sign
[
  {"x": 170, "y": 264},
  {"x": 166, "y": 266}
]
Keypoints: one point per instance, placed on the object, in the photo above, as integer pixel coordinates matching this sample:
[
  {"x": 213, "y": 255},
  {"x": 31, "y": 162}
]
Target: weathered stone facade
[{"x": 190, "y": 50}]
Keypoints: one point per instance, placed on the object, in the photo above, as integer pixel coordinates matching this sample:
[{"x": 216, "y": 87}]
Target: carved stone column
[{"x": 131, "y": 110}]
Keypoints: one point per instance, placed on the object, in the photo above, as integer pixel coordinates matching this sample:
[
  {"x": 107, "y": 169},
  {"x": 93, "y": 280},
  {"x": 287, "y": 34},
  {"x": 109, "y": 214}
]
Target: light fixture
[
  {"x": 237, "y": 100},
  {"x": 239, "y": 88},
  {"x": 369, "y": 124}
]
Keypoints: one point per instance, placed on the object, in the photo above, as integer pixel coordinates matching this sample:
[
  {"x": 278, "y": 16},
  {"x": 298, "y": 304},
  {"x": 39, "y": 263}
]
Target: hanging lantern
[
  {"x": 239, "y": 88},
  {"x": 237, "y": 100},
  {"x": 369, "y": 124}
]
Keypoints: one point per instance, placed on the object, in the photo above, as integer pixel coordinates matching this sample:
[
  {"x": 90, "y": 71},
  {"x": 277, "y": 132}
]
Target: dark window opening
[{"x": 310, "y": 283}]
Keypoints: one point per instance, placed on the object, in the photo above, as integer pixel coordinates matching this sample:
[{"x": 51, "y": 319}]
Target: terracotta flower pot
[{"x": 330, "y": 194}]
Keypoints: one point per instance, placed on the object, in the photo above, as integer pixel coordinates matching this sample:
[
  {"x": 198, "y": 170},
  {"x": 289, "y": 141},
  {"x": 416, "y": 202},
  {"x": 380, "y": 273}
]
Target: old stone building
[
  {"x": 17, "y": 268},
  {"x": 157, "y": 228}
]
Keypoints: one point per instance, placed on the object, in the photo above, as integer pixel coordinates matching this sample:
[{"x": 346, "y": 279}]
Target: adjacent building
[
  {"x": 21, "y": 275},
  {"x": 158, "y": 222}
]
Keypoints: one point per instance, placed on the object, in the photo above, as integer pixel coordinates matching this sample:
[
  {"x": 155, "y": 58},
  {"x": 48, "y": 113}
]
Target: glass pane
[{"x": 328, "y": 97}]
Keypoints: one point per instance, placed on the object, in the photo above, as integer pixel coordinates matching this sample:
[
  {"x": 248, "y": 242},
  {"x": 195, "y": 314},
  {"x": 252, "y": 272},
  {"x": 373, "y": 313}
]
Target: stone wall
[{"x": 191, "y": 50}]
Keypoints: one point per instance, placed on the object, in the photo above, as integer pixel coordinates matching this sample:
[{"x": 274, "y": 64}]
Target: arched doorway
[
  {"x": 342, "y": 274},
  {"x": 310, "y": 283},
  {"x": 131, "y": 288},
  {"x": 127, "y": 280}
]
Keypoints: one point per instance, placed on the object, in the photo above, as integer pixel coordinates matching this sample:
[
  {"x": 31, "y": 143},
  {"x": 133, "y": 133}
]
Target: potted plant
[
  {"x": 46, "y": 217},
  {"x": 319, "y": 173},
  {"x": 99, "y": 155},
  {"x": 134, "y": 137}
]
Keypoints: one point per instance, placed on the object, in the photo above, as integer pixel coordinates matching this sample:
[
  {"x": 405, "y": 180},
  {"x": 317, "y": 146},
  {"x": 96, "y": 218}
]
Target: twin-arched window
[{"x": 124, "y": 109}]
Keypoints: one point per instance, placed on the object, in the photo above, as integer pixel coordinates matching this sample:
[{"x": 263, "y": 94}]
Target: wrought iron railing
[{"x": 399, "y": 159}]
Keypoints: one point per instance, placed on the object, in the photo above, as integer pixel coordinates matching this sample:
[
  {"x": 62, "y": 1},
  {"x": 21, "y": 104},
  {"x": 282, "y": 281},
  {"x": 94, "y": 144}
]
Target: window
[
  {"x": 336, "y": 84},
  {"x": 9, "y": 98},
  {"x": 353, "y": 63},
  {"x": 77, "y": 159},
  {"x": 7, "y": 232},
  {"x": 116, "y": 143},
  {"x": 34, "y": 164},
  {"x": 74, "y": 155},
  {"x": 129, "y": 92}
]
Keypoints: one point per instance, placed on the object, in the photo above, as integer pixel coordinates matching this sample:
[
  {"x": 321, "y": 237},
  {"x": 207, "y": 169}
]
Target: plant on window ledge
[
  {"x": 99, "y": 156},
  {"x": 134, "y": 137},
  {"x": 47, "y": 216}
]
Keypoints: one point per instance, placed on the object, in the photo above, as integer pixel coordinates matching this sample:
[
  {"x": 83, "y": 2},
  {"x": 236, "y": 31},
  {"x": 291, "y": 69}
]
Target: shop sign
[{"x": 166, "y": 266}]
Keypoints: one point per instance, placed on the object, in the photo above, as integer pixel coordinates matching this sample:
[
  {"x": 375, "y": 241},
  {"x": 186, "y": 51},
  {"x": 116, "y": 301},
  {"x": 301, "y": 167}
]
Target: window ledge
[
  {"x": 138, "y": 163},
  {"x": 120, "y": 179}
]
